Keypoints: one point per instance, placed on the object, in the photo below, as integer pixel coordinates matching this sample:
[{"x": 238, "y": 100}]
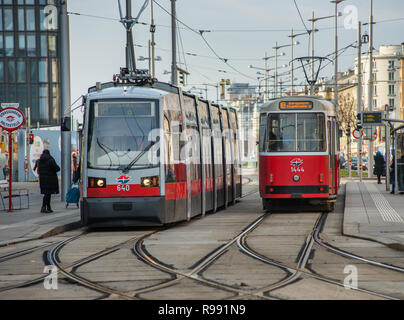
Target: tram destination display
[
  {"x": 374, "y": 118},
  {"x": 296, "y": 105}
]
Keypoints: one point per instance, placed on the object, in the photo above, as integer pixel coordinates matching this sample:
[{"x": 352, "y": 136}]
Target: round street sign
[
  {"x": 374, "y": 136},
  {"x": 357, "y": 134},
  {"x": 11, "y": 119}
]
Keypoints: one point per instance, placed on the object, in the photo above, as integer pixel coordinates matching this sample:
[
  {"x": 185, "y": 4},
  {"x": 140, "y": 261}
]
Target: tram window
[
  {"x": 310, "y": 132},
  {"x": 263, "y": 131},
  {"x": 118, "y": 134},
  {"x": 292, "y": 132},
  {"x": 281, "y": 132}
]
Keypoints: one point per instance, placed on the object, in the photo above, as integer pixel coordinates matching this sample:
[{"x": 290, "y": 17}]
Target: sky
[{"x": 240, "y": 31}]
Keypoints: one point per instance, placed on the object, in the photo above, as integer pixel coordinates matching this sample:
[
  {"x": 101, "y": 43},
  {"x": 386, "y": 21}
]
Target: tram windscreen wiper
[{"x": 125, "y": 169}]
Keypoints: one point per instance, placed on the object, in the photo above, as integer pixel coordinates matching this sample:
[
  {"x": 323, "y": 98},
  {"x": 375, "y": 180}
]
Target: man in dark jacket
[
  {"x": 379, "y": 166},
  {"x": 48, "y": 179}
]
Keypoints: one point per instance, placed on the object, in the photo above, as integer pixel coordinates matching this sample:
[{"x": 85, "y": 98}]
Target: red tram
[{"x": 298, "y": 154}]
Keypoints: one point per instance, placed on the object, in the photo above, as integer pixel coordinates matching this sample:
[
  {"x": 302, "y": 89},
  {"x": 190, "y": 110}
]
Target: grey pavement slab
[
  {"x": 29, "y": 223},
  {"x": 373, "y": 213}
]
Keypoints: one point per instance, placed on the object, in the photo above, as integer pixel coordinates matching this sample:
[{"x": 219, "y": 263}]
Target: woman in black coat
[
  {"x": 379, "y": 166},
  {"x": 48, "y": 179}
]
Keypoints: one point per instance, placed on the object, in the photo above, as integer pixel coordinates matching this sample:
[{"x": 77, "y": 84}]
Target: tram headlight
[
  {"x": 96, "y": 182},
  {"x": 150, "y": 181},
  {"x": 296, "y": 178}
]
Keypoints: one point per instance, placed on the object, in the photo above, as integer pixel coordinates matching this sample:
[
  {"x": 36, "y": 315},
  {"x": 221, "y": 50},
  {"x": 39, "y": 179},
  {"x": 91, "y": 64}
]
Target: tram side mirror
[{"x": 257, "y": 142}]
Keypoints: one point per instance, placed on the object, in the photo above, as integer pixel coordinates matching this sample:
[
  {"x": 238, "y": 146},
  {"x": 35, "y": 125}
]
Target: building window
[
  {"x": 375, "y": 91},
  {"x": 374, "y": 64},
  {"x": 391, "y": 76},
  {"x": 21, "y": 72},
  {"x": 8, "y": 19},
  {"x": 21, "y": 20},
  {"x": 391, "y": 103},
  {"x": 43, "y": 103},
  {"x": 54, "y": 70},
  {"x": 9, "y": 45},
  {"x": 1, "y": 19},
  {"x": 1, "y": 71},
  {"x": 22, "y": 95},
  {"x": 11, "y": 71},
  {"x": 21, "y": 45},
  {"x": 374, "y": 103},
  {"x": 52, "y": 46},
  {"x": 43, "y": 71},
  {"x": 391, "y": 89},
  {"x": 44, "y": 46},
  {"x": 30, "y": 19},
  {"x": 34, "y": 71},
  {"x": 374, "y": 77},
  {"x": 391, "y": 64},
  {"x": 31, "y": 45}
]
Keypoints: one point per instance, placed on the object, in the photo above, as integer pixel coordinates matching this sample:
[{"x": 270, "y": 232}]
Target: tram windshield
[
  {"x": 292, "y": 132},
  {"x": 119, "y": 133}
]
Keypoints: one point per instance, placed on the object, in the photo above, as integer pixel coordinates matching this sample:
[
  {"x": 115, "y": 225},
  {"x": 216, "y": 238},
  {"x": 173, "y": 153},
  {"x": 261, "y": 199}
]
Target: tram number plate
[
  {"x": 123, "y": 187},
  {"x": 296, "y": 169}
]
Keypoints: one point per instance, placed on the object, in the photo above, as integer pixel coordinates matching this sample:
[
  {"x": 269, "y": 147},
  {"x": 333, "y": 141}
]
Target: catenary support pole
[
  {"x": 65, "y": 102},
  {"x": 370, "y": 83},
  {"x": 174, "y": 79},
  {"x": 359, "y": 97}
]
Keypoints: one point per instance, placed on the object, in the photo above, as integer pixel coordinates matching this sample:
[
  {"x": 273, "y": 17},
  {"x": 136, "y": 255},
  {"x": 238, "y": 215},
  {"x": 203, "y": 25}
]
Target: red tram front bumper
[{"x": 291, "y": 176}]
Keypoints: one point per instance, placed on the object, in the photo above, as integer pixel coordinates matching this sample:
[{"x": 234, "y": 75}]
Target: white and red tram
[
  {"x": 298, "y": 154},
  {"x": 153, "y": 155}
]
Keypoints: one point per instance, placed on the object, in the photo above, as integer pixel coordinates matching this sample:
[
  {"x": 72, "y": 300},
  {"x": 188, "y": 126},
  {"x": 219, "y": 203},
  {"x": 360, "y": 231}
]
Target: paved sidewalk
[
  {"x": 28, "y": 224},
  {"x": 373, "y": 213}
]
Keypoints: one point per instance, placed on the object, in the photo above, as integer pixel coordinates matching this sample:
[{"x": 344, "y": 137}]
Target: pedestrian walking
[
  {"x": 48, "y": 179},
  {"x": 379, "y": 166}
]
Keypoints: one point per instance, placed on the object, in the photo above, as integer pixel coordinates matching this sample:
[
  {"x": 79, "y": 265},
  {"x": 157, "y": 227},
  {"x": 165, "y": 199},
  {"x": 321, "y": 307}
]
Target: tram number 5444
[{"x": 123, "y": 187}]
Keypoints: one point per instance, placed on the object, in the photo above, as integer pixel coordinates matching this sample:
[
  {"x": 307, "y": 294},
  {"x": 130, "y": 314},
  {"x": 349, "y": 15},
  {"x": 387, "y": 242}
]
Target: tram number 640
[{"x": 123, "y": 187}]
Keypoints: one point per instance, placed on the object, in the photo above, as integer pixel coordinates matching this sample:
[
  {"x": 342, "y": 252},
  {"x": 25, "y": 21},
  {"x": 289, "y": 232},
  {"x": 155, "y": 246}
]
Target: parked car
[{"x": 354, "y": 164}]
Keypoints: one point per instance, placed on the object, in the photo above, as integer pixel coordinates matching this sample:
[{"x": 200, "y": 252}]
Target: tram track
[
  {"x": 293, "y": 274},
  {"x": 23, "y": 252},
  {"x": 194, "y": 273}
]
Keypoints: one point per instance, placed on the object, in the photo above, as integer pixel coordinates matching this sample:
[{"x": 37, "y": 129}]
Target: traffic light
[
  {"x": 182, "y": 78},
  {"x": 31, "y": 138},
  {"x": 359, "y": 121},
  {"x": 348, "y": 131}
]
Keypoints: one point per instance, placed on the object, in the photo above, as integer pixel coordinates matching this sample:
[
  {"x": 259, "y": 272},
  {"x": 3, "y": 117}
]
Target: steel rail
[{"x": 294, "y": 273}]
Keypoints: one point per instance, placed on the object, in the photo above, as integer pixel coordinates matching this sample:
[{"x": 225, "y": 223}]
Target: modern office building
[
  {"x": 29, "y": 58},
  {"x": 29, "y": 68}
]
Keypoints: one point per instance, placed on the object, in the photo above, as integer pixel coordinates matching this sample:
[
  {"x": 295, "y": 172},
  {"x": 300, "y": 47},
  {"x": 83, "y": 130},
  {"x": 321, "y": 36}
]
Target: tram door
[
  {"x": 228, "y": 160},
  {"x": 217, "y": 158},
  {"x": 331, "y": 153},
  {"x": 192, "y": 151}
]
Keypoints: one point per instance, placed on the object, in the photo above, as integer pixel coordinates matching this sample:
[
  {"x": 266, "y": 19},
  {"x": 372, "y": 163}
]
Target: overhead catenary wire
[{"x": 200, "y": 33}]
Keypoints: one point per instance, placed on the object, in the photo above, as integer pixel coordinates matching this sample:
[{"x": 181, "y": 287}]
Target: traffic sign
[
  {"x": 15, "y": 105},
  {"x": 357, "y": 134},
  {"x": 374, "y": 136},
  {"x": 11, "y": 119}
]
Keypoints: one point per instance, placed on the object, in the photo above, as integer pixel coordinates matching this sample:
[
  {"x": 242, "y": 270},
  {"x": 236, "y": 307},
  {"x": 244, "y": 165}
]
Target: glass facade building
[{"x": 30, "y": 58}]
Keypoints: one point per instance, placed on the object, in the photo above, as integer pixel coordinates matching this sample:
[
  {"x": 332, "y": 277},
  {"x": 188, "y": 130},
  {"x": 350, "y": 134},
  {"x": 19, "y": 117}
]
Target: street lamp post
[
  {"x": 293, "y": 36},
  {"x": 276, "y": 60},
  {"x": 336, "y": 54},
  {"x": 313, "y": 20}
]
